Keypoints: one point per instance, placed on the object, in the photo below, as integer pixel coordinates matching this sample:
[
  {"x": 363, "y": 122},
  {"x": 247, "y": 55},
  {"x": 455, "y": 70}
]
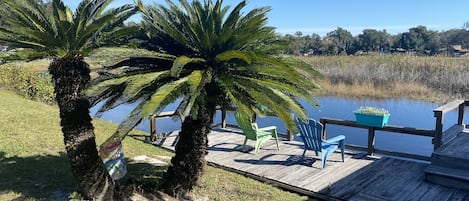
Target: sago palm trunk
[
  {"x": 70, "y": 76},
  {"x": 188, "y": 164}
]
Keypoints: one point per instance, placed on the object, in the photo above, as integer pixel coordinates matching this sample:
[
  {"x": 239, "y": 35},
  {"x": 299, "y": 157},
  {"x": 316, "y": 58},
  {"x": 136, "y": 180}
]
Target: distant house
[
  {"x": 457, "y": 50},
  {"x": 400, "y": 51}
]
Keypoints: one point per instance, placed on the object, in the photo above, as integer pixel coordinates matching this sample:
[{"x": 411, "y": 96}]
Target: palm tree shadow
[
  {"x": 144, "y": 176},
  {"x": 230, "y": 147},
  {"x": 291, "y": 160},
  {"x": 158, "y": 139}
]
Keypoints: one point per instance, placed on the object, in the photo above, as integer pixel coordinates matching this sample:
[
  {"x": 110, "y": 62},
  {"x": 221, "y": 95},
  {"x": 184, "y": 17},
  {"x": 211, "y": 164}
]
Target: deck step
[
  {"x": 449, "y": 161},
  {"x": 452, "y": 133},
  {"x": 449, "y": 177}
]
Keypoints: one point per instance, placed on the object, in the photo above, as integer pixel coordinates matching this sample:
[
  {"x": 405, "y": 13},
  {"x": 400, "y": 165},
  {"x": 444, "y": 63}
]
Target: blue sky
[{"x": 322, "y": 16}]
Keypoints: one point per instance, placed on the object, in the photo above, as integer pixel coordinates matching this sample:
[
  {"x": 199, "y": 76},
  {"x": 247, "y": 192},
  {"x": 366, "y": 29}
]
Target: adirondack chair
[
  {"x": 311, "y": 132},
  {"x": 253, "y": 132}
]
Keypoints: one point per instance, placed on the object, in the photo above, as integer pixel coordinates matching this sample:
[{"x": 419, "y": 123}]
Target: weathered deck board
[
  {"x": 459, "y": 147},
  {"x": 360, "y": 177},
  {"x": 451, "y": 133}
]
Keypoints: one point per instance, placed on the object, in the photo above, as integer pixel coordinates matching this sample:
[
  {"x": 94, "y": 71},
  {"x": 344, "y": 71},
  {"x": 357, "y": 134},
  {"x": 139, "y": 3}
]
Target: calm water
[{"x": 404, "y": 112}]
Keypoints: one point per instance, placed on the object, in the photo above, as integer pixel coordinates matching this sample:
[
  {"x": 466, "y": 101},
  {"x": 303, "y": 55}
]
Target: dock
[
  {"x": 365, "y": 175},
  {"x": 360, "y": 177}
]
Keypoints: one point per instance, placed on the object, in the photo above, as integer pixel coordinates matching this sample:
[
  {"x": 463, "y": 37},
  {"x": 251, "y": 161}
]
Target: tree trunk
[
  {"x": 188, "y": 164},
  {"x": 70, "y": 76}
]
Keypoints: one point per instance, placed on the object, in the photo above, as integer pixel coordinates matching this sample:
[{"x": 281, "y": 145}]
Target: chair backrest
[
  {"x": 245, "y": 124},
  {"x": 311, "y": 132}
]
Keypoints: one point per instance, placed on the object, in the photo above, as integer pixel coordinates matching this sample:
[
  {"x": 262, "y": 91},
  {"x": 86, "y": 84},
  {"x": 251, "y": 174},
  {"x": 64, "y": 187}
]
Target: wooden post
[
  {"x": 152, "y": 127},
  {"x": 371, "y": 141},
  {"x": 438, "y": 129},
  {"x": 223, "y": 118},
  {"x": 289, "y": 135},
  {"x": 461, "y": 114},
  {"x": 324, "y": 131},
  {"x": 323, "y": 122},
  {"x": 324, "y": 137}
]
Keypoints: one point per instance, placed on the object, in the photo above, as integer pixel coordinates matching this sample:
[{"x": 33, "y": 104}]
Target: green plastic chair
[{"x": 253, "y": 132}]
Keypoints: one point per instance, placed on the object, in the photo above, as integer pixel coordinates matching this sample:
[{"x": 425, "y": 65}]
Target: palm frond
[
  {"x": 132, "y": 120},
  {"x": 110, "y": 27},
  {"x": 166, "y": 94},
  {"x": 160, "y": 61},
  {"x": 196, "y": 80},
  {"x": 59, "y": 31},
  {"x": 232, "y": 54},
  {"x": 140, "y": 81},
  {"x": 101, "y": 87},
  {"x": 281, "y": 105},
  {"x": 26, "y": 24},
  {"x": 111, "y": 98},
  {"x": 180, "y": 62}
]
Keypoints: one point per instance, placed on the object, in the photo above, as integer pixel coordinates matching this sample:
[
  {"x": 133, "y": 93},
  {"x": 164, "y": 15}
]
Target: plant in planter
[{"x": 372, "y": 116}]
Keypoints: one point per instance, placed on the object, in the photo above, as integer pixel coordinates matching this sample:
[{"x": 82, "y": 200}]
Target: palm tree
[
  {"x": 56, "y": 32},
  {"x": 207, "y": 56}
]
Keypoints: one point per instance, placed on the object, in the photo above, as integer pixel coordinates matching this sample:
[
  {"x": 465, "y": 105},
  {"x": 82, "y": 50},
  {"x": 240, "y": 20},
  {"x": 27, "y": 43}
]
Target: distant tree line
[{"x": 418, "y": 40}]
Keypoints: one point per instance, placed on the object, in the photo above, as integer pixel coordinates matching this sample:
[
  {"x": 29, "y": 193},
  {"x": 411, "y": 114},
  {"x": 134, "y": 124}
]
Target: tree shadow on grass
[
  {"x": 49, "y": 177},
  {"x": 143, "y": 177},
  {"x": 46, "y": 177}
]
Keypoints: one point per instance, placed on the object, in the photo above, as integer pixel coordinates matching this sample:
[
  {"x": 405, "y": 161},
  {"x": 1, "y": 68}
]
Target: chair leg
[
  {"x": 324, "y": 158},
  {"x": 303, "y": 156},
  {"x": 276, "y": 138},
  {"x": 245, "y": 140},
  {"x": 258, "y": 146},
  {"x": 342, "y": 148}
]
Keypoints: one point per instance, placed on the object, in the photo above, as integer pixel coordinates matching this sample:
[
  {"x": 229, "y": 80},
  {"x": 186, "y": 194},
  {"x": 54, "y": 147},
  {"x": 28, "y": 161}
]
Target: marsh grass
[
  {"x": 436, "y": 79},
  {"x": 34, "y": 166},
  {"x": 408, "y": 90},
  {"x": 430, "y": 78}
]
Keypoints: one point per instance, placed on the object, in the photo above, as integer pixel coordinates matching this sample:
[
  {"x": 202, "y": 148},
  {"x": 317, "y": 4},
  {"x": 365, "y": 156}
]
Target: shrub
[{"x": 32, "y": 85}]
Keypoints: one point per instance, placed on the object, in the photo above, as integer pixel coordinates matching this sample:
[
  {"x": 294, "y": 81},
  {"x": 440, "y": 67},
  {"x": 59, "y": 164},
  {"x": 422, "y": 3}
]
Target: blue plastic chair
[{"x": 311, "y": 132}]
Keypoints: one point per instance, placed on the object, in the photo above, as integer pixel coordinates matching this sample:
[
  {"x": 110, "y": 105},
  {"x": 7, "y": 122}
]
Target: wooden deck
[
  {"x": 457, "y": 146},
  {"x": 450, "y": 163},
  {"x": 360, "y": 177}
]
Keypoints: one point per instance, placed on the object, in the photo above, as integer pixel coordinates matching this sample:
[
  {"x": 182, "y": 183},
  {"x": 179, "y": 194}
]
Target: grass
[
  {"x": 33, "y": 165},
  {"x": 387, "y": 76}
]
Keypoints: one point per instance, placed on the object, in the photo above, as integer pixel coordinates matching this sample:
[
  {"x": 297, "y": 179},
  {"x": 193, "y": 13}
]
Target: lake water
[{"x": 404, "y": 112}]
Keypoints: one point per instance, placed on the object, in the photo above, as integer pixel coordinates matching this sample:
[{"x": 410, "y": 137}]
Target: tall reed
[{"x": 447, "y": 75}]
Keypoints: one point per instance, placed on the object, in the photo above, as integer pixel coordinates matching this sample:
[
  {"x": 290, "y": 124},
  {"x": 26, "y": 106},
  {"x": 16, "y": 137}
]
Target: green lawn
[{"x": 33, "y": 165}]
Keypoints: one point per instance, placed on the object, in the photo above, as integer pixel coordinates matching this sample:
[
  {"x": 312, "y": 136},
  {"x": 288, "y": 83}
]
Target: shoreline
[
  {"x": 433, "y": 79},
  {"x": 397, "y": 90}
]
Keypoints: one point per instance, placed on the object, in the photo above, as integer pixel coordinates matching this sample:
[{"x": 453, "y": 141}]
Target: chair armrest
[
  {"x": 268, "y": 128},
  {"x": 335, "y": 139}
]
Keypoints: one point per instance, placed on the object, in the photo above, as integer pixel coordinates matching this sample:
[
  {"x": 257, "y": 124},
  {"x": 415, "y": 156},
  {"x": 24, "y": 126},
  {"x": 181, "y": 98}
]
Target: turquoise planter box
[{"x": 372, "y": 120}]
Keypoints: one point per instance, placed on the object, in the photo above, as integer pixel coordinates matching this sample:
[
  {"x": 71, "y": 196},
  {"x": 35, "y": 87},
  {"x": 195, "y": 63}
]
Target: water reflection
[{"x": 404, "y": 112}]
